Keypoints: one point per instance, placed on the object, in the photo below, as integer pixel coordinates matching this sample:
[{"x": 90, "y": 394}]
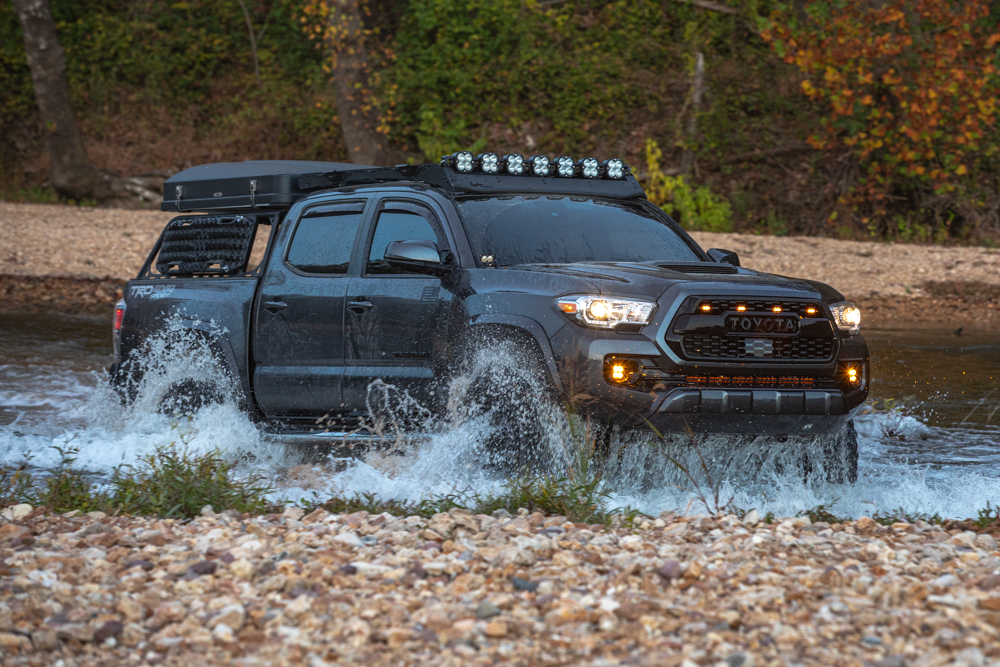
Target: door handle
[
  {"x": 275, "y": 306},
  {"x": 360, "y": 306}
]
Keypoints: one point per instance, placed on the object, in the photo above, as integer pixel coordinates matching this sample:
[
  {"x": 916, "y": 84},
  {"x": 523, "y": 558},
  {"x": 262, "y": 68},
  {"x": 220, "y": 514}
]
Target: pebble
[
  {"x": 670, "y": 570},
  {"x": 16, "y": 512},
  {"x": 293, "y": 589},
  {"x": 487, "y": 609}
]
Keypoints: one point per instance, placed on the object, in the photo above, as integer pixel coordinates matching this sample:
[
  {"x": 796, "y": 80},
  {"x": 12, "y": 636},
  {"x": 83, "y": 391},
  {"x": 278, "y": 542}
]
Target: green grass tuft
[
  {"x": 580, "y": 502},
  {"x": 167, "y": 483},
  {"x": 823, "y": 513},
  {"x": 170, "y": 483}
]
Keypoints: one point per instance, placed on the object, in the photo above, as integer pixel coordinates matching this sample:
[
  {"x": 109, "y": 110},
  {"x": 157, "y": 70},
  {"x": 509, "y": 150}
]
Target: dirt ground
[{"x": 74, "y": 257}]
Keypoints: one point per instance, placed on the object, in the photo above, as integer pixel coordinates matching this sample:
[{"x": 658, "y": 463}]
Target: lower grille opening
[{"x": 762, "y": 382}]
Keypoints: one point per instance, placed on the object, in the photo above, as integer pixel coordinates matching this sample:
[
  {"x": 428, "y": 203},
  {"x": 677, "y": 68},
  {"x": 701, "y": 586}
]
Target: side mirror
[
  {"x": 720, "y": 256},
  {"x": 415, "y": 254}
]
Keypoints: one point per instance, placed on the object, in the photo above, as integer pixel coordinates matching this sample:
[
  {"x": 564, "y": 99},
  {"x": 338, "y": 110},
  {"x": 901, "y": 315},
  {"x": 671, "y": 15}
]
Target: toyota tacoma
[{"x": 393, "y": 274}]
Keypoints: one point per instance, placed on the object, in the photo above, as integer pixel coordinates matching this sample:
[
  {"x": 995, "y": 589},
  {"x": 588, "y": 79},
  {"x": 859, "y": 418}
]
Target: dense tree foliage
[
  {"x": 908, "y": 90},
  {"x": 846, "y": 117}
]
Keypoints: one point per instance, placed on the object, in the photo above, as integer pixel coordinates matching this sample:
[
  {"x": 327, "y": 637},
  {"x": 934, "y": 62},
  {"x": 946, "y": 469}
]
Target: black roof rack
[{"x": 277, "y": 184}]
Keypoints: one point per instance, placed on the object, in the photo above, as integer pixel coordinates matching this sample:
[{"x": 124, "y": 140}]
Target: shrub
[
  {"x": 169, "y": 483},
  {"x": 908, "y": 90},
  {"x": 697, "y": 209}
]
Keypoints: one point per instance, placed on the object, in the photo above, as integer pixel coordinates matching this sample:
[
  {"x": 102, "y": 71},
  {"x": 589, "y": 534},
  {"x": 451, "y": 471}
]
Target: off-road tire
[
  {"x": 840, "y": 455},
  {"x": 183, "y": 399},
  {"x": 509, "y": 399}
]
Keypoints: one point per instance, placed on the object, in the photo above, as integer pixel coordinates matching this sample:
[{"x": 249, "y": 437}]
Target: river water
[{"x": 930, "y": 437}]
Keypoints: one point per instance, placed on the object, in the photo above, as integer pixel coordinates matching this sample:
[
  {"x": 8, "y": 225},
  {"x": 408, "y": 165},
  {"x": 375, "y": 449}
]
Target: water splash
[{"x": 951, "y": 471}]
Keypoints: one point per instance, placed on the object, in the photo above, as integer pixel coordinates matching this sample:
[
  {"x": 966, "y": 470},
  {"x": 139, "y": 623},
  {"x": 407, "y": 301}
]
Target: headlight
[
  {"x": 847, "y": 316},
  {"x": 615, "y": 169},
  {"x": 489, "y": 162},
  {"x": 565, "y": 167},
  {"x": 514, "y": 164},
  {"x": 606, "y": 313},
  {"x": 540, "y": 165},
  {"x": 589, "y": 167},
  {"x": 463, "y": 161}
]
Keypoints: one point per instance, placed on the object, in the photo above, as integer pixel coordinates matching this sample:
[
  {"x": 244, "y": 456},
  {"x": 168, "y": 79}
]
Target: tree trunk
[
  {"x": 71, "y": 172},
  {"x": 350, "y": 76},
  {"x": 697, "y": 90}
]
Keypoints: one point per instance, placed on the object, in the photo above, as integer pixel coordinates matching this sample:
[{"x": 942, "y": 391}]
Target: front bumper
[
  {"x": 751, "y": 411},
  {"x": 679, "y": 395}
]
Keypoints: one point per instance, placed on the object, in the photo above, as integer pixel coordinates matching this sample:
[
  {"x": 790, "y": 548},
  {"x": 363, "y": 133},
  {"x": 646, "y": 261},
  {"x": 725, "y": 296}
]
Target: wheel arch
[{"x": 521, "y": 326}]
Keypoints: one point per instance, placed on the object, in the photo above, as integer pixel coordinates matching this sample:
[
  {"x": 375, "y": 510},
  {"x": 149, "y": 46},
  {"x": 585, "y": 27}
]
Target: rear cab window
[{"x": 324, "y": 238}]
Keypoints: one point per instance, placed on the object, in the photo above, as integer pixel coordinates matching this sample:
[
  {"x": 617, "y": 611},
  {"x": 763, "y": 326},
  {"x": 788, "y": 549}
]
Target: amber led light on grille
[
  {"x": 741, "y": 308},
  {"x": 706, "y": 307}
]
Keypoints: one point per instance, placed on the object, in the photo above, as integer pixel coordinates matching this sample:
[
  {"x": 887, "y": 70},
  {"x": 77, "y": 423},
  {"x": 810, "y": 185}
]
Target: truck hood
[{"x": 652, "y": 279}]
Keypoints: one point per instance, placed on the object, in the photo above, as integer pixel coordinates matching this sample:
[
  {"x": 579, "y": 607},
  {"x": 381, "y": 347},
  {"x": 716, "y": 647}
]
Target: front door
[
  {"x": 396, "y": 321},
  {"x": 299, "y": 336}
]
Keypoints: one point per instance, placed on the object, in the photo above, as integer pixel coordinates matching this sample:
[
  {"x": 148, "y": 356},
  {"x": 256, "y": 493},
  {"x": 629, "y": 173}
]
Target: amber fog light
[
  {"x": 853, "y": 374},
  {"x": 621, "y": 371}
]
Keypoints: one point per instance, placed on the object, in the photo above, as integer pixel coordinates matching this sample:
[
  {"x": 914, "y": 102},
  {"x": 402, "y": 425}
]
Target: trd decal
[{"x": 152, "y": 291}]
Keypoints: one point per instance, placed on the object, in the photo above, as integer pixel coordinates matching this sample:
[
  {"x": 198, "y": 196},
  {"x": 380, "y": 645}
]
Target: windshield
[{"x": 563, "y": 230}]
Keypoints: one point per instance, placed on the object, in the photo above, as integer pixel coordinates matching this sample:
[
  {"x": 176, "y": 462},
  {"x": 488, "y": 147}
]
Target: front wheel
[{"x": 505, "y": 386}]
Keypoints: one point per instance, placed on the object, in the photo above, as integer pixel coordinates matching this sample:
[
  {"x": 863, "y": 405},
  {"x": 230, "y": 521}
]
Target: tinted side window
[
  {"x": 322, "y": 244},
  {"x": 395, "y": 225}
]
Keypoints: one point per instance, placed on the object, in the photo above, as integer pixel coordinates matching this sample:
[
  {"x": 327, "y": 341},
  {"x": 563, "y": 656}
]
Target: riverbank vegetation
[
  {"x": 177, "y": 484},
  {"x": 839, "y": 119}
]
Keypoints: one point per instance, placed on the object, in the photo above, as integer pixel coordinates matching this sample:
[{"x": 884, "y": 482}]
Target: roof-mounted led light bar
[{"x": 515, "y": 164}]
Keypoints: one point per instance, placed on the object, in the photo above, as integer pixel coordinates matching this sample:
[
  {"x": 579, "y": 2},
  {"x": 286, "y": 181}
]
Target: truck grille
[
  {"x": 800, "y": 308},
  {"x": 714, "y": 346}
]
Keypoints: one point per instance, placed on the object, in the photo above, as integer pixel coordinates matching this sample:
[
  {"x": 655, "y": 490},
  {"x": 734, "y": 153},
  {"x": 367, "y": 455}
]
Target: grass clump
[
  {"x": 167, "y": 483},
  {"x": 16, "y": 485},
  {"x": 578, "y": 501},
  {"x": 68, "y": 487},
  {"x": 822, "y": 513},
  {"x": 900, "y": 515}
]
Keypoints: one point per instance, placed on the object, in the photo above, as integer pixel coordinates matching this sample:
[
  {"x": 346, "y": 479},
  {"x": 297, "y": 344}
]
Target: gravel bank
[
  {"x": 461, "y": 589},
  {"x": 899, "y": 284}
]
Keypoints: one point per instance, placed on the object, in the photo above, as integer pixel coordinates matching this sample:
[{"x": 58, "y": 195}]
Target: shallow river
[{"x": 930, "y": 439}]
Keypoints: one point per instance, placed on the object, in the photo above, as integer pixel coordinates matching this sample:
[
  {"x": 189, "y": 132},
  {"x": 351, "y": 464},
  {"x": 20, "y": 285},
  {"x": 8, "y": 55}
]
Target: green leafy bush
[{"x": 697, "y": 209}]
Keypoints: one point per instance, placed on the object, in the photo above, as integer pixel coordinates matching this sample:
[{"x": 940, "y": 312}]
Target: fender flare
[
  {"x": 532, "y": 328},
  {"x": 219, "y": 339}
]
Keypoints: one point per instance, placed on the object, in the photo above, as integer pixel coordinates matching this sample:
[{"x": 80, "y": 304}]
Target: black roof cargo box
[
  {"x": 257, "y": 184},
  {"x": 263, "y": 185}
]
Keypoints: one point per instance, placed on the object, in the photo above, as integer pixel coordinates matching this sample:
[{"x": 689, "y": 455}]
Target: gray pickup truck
[{"x": 396, "y": 274}]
